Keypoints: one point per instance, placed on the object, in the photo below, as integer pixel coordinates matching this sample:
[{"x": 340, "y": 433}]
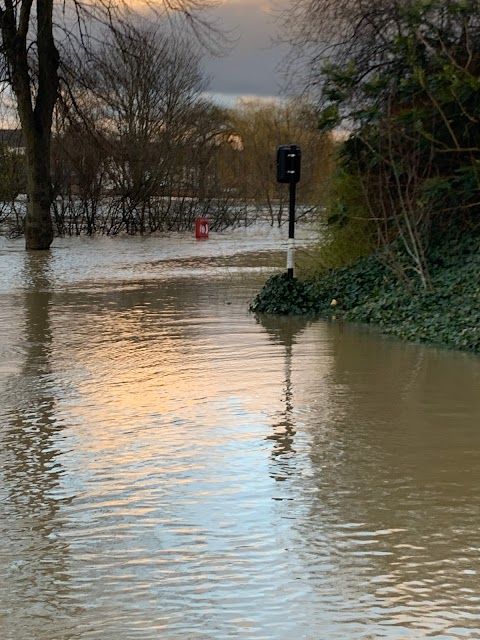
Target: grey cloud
[{"x": 252, "y": 67}]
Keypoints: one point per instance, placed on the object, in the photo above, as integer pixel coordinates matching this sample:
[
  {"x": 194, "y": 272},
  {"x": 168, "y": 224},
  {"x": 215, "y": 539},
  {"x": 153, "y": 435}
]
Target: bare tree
[
  {"x": 31, "y": 56},
  {"x": 329, "y": 32},
  {"x": 146, "y": 84},
  {"x": 392, "y": 182},
  {"x": 263, "y": 127}
]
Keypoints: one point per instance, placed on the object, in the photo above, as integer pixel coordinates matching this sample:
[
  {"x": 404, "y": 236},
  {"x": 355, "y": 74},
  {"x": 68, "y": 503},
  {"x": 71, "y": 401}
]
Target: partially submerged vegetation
[
  {"x": 137, "y": 148},
  {"x": 368, "y": 291},
  {"x": 401, "y": 241}
]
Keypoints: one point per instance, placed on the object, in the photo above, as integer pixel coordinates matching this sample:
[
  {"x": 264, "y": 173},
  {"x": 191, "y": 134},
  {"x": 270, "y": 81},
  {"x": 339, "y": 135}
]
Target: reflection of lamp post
[
  {"x": 284, "y": 429},
  {"x": 283, "y": 330}
]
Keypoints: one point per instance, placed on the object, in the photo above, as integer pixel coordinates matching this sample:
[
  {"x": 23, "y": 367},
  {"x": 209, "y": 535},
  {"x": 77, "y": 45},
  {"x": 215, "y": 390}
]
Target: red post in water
[{"x": 201, "y": 228}]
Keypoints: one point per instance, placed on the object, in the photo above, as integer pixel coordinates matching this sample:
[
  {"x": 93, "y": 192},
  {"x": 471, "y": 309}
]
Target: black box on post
[{"x": 288, "y": 163}]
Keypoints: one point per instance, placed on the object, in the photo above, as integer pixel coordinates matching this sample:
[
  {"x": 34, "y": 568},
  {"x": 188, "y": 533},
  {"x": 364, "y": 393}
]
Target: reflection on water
[
  {"x": 33, "y": 555},
  {"x": 283, "y": 331},
  {"x": 172, "y": 467},
  {"x": 395, "y": 478}
]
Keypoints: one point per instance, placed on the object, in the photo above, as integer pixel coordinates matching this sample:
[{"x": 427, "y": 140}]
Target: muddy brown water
[{"x": 172, "y": 467}]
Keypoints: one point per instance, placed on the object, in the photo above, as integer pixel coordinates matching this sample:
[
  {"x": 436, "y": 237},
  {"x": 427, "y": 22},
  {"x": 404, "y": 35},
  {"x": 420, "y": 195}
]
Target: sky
[{"x": 251, "y": 68}]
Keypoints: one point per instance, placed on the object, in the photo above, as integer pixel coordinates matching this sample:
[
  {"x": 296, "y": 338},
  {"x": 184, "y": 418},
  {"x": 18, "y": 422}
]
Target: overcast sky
[{"x": 250, "y": 69}]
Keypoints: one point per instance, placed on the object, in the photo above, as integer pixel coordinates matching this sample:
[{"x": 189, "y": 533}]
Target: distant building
[{"x": 12, "y": 139}]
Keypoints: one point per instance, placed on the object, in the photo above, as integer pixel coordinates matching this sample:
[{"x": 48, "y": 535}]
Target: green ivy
[
  {"x": 368, "y": 292},
  {"x": 285, "y": 296}
]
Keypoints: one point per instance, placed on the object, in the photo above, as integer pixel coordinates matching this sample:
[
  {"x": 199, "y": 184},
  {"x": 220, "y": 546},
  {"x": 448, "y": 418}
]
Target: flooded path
[{"x": 171, "y": 467}]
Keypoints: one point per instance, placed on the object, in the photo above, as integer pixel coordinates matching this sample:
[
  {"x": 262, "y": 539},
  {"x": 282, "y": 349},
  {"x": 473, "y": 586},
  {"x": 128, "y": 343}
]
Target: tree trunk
[
  {"x": 38, "y": 133},
  {"x": 38, "y": 221},
  {"x": 35, "y": 106}
]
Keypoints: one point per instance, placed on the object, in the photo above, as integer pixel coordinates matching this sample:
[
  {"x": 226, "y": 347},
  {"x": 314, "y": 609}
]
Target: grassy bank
[{"x": 368, "y": 292}]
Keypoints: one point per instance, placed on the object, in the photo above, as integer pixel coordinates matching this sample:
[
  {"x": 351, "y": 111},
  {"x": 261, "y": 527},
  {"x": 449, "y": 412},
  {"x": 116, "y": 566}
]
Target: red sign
[{"x": 201, "y": 228}]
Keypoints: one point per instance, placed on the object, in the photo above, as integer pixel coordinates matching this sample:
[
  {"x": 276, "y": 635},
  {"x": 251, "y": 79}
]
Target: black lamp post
[{"x": 288, "y": 171}]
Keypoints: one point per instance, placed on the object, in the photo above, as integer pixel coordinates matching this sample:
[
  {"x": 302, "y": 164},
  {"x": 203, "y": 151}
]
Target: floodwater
[{"x": 173, "y": 468}]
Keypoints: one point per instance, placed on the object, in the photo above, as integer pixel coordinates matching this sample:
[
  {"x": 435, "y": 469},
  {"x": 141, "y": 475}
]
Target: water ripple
[{"x": 172, "y": 467}]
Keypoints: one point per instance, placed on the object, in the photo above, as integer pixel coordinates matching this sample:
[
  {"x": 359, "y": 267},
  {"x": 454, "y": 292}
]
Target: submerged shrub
[
  {"x": 369, "y": 292},
  {"x": 285, "y": 296}
]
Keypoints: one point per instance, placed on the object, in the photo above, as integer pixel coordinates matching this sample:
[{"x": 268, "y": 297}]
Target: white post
[{"x": 291, "y": 255}]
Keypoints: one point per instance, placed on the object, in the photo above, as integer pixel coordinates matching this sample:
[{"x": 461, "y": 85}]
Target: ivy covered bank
[
  {"x": 400, "y": 246},
  {"x": 367, "y": 291}
]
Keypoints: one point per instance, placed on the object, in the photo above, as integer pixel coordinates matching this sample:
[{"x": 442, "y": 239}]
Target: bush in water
[{"x": 369, "y": 292}]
